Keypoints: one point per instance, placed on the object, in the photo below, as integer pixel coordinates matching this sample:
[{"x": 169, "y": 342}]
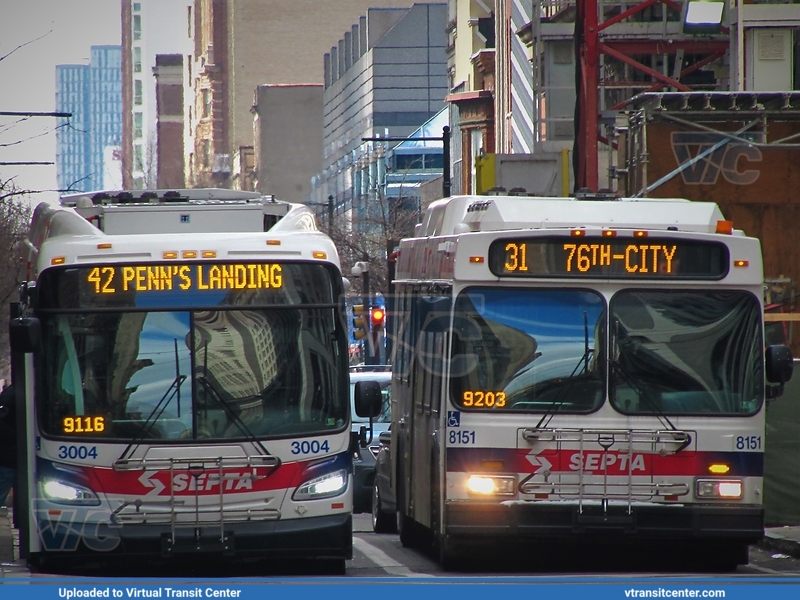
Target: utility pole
[{"x": 361, "y": 269}]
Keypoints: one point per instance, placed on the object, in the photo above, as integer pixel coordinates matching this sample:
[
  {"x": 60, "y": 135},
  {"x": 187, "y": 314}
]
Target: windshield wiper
[
  {"x": 231, "y": 414},
  {"x": 561, "y": 396},
  {"x": 616, "y": 365},
  {"x": 173, "y": 390},
  {"x": 558, "y": 401}
]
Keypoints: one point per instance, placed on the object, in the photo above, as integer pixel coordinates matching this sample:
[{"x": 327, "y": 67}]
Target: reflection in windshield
[
  {"x": 207, "y": 373},
  {"x": 687, "y": 352},
  {"x": 528, "y": 350}
]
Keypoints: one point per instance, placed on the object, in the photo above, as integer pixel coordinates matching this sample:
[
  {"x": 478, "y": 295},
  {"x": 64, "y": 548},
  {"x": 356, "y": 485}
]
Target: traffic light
[
  {"x": 360, "y": 325},
  {"x": 377, "y": 318}
]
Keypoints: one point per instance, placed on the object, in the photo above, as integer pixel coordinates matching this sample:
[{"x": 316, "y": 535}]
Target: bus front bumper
[{"x": 523, "y": 520}]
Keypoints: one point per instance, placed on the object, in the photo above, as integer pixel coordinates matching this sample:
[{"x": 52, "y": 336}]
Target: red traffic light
[{"x": 378, "y": 318}]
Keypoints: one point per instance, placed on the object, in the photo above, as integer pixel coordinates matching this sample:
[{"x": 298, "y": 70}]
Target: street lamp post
[{"x": 329, "y": 204}]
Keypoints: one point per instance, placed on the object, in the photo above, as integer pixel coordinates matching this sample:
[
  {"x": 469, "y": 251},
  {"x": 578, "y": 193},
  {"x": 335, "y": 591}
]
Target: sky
[{"x": 35, "y": 36}]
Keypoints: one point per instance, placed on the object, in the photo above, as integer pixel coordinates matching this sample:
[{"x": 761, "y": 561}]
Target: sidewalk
[
  {"x": 10, "y": 564},
  {"x": 785, "y": 540}
]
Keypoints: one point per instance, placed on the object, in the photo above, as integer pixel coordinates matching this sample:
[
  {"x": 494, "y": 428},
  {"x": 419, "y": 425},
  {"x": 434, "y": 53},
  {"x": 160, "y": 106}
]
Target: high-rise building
[
  {"x": 87, "y": 145},
  {"x": 156, "y": 70},
  {"x": 241, "y": 45},
  {"x": 384, "y": 79}
]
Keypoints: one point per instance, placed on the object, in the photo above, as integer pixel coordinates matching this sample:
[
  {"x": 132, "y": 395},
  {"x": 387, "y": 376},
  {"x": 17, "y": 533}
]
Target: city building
[
  {"x": 288, "y": 139},
  {"x": 239, "y": 46},
  {"x": 383, "y": 80},
  {"x": 156, "y": 36},
  {"x": 87, "y": 146}
]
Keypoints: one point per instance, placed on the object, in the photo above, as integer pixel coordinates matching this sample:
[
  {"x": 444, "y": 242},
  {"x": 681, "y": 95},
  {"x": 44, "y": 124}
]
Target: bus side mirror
[
  {"x": 25, "y": 334},
  {"x": 368, "y": 399},
  {"x": 778, "y": 369},
  {"x": 778, "y": 364}
]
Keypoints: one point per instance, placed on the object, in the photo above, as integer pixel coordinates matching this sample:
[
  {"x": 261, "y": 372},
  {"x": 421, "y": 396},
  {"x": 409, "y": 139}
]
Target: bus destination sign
[
  {"x": 643, "y": 258},
  {"x": 157, "y": 278}
]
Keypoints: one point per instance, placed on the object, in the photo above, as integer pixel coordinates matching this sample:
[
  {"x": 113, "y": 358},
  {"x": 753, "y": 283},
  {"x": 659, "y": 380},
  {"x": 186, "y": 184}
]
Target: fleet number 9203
[{"x": 747, "y": 442}]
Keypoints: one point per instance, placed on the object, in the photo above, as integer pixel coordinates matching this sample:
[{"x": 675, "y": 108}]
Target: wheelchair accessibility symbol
[{"x": 453, "y": 418}]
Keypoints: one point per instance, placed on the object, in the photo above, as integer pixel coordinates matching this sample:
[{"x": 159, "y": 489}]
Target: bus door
[{"x": 434, "y": 317}]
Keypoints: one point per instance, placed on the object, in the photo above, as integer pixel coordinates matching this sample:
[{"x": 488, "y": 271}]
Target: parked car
[
  {"x": 384, "y": 506},
  {"x": 364, "y": 458}
]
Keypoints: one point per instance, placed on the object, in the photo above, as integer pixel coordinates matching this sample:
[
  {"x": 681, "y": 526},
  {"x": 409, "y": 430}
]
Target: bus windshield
[
  {"x": 529, "y": 350},
  {"x": 240, "y": 362},
  {"x": 686, "y": 352}
]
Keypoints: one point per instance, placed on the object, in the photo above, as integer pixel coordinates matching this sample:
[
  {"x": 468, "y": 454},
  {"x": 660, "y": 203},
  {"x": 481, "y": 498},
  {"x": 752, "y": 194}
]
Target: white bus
[
  {"x": 580, "y": 371},
  {"x": 184, "y": 391}
]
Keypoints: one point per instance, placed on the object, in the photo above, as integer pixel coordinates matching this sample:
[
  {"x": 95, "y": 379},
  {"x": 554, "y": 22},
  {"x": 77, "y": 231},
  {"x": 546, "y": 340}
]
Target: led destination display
[
  {"x": 164, "y": 285},
  {"x": 603, "y": 257},
  {"x": 150, "y": 278}
]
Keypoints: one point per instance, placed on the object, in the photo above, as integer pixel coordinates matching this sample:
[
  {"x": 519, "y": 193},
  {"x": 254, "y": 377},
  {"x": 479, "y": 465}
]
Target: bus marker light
[
  {"x": 578, "y": 233},
  {"x": 273, "y": 242},
  {"x": 169, "y": 255},
  {"x": 189, "y": 254},
  {"x": 476, "y": 259},
  {"x": 337, "y": 505},
  {"x": 671, "y": 498},
  {"x": 209, "y": 254},
  {"x": 640, "y": 234},
  {"x": 58, "y": 260},
  {"x": 725, "y": 227},
  {"x": 541, "y": 496},
  {"x": 741, "y": 263},
  {"x": 104, "y": 246},
  {"x": 320, "y": 255},
  {"x": 718, "y": 469},
  {"x": 609, "y": 233}
]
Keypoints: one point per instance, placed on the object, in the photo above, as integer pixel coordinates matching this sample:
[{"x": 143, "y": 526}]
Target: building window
[
  {"x": 137, "y": 27},
  {"x": 206, "y": 153},
  {"x": 137, "y": 92},
  {"x": 138, "y": 158},
  {"x": 137, "y": 6},
  {"x": 137, "y": 125},
  {"x": 206, "y": 103},
  {"x": 137, "y": 59}
]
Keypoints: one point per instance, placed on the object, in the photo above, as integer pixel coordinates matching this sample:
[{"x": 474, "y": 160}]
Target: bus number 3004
[
  {"x": 77, "y": 452},
  {"x": 312, "y": 447}
]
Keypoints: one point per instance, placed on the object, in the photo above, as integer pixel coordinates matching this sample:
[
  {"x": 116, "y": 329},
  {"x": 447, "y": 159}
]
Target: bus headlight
[
  {"x": 492, "y": 485},
  {"x": 68, "y": 493},
  {"x": 325, "y": 486},
  {"x": 728, "y": 489}
]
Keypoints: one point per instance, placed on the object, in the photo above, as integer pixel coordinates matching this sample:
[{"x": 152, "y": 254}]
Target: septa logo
[
  {"x": 205, "y": 482},
  {"x": 607, "y": 462}
]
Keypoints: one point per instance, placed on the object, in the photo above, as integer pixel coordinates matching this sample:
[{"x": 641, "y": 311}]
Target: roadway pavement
[{"x": 781, "y": 540}]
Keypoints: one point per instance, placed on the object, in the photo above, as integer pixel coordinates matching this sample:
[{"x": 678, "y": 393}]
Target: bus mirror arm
[{"x": 362, "y": 435}]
